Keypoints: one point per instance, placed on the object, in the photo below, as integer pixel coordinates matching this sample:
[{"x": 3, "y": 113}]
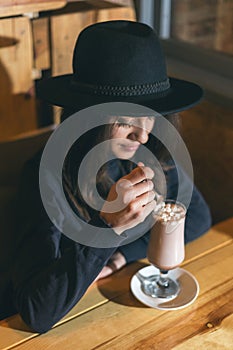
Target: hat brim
[{"x": 180, "y": 96}]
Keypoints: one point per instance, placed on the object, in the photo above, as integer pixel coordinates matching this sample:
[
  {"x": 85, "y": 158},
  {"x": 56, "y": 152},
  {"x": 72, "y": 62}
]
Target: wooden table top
[{"x": 109, "y": 316}]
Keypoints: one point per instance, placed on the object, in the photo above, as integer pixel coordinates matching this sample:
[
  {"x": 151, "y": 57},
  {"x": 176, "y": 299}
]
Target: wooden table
[{"x": 109, "y": 317}]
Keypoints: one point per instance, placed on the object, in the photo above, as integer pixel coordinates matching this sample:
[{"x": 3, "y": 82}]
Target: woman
[{"x": 116, "y": 61}]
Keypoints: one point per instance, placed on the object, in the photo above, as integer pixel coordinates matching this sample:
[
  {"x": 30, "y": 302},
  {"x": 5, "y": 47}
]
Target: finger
[
  {"x": 143, "y": 187},
  {"x": 106, "y": 271},
  {"x": 148, "y": 208},
  {"x": 135, "y": 191},
  {"x": 140, "y": 164},
  {"x": 139, "y": 174},
  {"x": 142, "y": 200}
]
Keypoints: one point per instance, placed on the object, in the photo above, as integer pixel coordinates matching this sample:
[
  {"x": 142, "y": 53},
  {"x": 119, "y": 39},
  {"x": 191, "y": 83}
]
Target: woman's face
[{"x": 128, "y": 134}]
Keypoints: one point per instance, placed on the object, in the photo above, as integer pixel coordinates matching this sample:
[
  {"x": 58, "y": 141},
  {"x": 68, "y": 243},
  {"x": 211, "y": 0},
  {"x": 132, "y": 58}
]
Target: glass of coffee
[{"x": 165, "y": 249}]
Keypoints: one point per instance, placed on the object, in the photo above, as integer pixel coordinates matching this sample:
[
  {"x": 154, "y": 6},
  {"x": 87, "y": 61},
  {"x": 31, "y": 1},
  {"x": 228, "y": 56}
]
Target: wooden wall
[
  {"x": 207, "y": 23},
  {"x": 9, "y": 8},
  {"x": 17, "y": 102},
  {"x": 30, "y": 45},
  {"x": 208, "y": 134},
  {"x": 208, "y": 128}
]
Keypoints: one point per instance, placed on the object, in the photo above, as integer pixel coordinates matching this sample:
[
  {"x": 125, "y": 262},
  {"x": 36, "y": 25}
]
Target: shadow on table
[
  {"x": 15, "y": 322},
  {"x": 117, "y": 287},
  {"x": 225, "y": 226}
]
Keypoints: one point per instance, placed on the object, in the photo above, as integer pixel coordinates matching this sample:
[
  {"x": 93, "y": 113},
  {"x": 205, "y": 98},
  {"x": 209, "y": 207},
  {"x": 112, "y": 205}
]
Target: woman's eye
[{"x": 124, "y": 124}]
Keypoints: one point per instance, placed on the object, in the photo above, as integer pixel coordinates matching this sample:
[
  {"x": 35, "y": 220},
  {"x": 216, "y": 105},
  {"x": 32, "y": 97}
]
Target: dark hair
[{"x": 103, "y": 181}]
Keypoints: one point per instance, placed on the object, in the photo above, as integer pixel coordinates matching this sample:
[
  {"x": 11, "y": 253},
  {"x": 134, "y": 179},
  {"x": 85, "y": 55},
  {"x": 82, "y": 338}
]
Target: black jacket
[{"x": 50, "y": 272}]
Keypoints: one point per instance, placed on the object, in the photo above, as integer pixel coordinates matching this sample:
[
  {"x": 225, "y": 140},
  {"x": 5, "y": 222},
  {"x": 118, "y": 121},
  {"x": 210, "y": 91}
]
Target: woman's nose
[{"x": 140, "y": 135}]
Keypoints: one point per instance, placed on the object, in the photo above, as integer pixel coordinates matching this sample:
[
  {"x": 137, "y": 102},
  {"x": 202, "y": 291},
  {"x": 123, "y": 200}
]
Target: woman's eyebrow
[
  {"x": 125, "y": 119},
  {"x": 151, "y": 118},
  {"x": 131, "y": 120}
]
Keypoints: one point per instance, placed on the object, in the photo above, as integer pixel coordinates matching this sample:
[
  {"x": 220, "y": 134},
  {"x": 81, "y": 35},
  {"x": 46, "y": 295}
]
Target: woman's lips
[{"x": 128, "y": 148}]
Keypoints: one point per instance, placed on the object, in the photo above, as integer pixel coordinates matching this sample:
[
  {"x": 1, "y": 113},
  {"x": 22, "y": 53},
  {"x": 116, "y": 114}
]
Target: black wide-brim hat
[{"x": 119, "y": 61}]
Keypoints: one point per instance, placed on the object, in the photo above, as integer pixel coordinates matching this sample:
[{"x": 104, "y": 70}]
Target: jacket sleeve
[
  {"x": 198, "y": 218},
  {"x": 51, "y": 272}
]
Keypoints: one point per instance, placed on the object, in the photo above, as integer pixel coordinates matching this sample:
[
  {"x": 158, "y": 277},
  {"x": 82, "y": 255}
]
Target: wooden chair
[{"x": 14, "y": 153}]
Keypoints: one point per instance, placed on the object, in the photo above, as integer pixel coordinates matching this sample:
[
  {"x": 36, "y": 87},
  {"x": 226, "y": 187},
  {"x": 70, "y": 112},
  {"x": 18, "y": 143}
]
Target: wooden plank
[
  {"x": 17, "y": 102},
  {"x": 127, "y": 13},
  {"x": 11, "y": 3},
  {"x": 63, "y": 41},
  {"x": 41, "y": 44},
  {"x": 72, "y": 24},
  {"x": 11, "y": 8},
  {"x": 14, "y": 331},
  {"x": 205, "y": 23},
  {"x": 217, "y": 237},
  {"x": 124, "y": 323},
  {"x": 122, "y": 2},
  {"x": 224, "y": 26},
  {"x": 17, "y": 59},
  {"x": 194, "y": 21},
  {"x": 83, "y": 6}
]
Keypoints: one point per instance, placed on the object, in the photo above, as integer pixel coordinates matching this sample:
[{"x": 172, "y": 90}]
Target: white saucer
[{"x": 189, "y": 289}]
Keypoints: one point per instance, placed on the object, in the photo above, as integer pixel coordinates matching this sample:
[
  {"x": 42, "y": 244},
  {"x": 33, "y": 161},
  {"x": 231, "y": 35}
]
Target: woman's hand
[
  {"x": 116, "y": 262},
  {"x": 130, "y": 200}
]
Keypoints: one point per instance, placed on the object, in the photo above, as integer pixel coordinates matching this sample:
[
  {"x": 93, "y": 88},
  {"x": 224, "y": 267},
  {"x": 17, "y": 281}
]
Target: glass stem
[{"x": 163, "y": 280}]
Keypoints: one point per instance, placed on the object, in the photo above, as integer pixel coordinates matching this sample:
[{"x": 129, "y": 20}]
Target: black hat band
[{"x": 129, "y": 90}]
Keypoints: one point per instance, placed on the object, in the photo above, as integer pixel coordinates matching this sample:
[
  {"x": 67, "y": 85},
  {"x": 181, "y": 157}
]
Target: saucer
[{"x": 189, "y": 289}]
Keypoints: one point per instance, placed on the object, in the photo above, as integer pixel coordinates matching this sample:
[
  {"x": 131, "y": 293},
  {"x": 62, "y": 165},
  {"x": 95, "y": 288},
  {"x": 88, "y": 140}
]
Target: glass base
[
  {"x": 189, "y": 288},
  {"x": 151, "y": 286}
]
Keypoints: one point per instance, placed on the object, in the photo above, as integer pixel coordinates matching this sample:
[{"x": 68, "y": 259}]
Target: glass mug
[{"x": 165, "y": 249}]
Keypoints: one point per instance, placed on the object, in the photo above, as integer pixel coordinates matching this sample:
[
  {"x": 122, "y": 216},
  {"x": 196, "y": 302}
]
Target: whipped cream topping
[{"x": 170, "y": 212}]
